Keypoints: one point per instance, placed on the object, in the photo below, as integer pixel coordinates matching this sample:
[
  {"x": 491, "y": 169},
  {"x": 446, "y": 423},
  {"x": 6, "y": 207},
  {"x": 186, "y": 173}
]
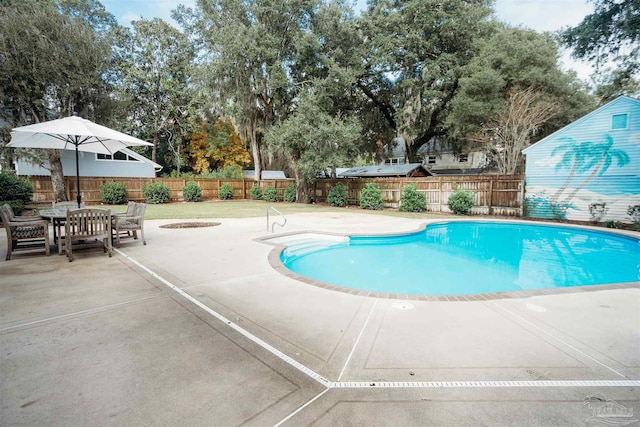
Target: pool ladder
[{"x": 274, "y": 222}]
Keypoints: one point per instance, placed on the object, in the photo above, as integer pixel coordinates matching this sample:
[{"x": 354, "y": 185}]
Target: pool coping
[{"x": 277, "y": 265}]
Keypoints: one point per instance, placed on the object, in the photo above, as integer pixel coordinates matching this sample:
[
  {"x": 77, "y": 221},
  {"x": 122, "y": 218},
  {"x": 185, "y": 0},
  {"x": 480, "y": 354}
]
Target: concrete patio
[{"x": 198, "y": 329}]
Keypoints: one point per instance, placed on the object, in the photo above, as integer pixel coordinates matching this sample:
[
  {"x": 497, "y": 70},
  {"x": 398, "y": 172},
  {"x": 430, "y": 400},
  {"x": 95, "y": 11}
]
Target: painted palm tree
[
  {"x": 573, "y": 158},
  {"x": 599, "y": 157}
]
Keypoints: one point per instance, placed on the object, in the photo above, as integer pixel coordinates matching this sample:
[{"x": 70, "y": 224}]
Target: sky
[{"x": 540, "y": 15}]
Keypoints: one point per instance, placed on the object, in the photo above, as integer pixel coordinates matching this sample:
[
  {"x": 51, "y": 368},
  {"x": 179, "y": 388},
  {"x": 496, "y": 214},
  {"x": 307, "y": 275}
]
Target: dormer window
[{"x": 619, "y": 121}]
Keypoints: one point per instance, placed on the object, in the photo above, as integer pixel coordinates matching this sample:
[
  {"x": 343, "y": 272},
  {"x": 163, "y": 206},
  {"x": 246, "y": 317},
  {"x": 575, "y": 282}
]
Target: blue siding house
[
  {"x": 590, "y": 169},
  {"x": 123, "y": 163}
]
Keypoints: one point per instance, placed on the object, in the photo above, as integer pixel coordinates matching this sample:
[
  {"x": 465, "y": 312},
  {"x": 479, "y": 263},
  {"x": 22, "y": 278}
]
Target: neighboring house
[
  {"x": 590, "y": 169},
  {"x": 124, "y": 163},
  {"x": 439, "y": 157},
  {"x": 397, "y": 170}
]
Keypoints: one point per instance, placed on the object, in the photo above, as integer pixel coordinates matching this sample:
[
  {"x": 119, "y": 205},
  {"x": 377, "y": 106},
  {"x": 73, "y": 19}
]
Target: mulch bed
[{"x": 190, "y": 225}]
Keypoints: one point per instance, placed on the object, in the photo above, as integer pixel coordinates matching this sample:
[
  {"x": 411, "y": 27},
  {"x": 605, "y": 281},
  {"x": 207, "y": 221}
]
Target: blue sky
[{"x": 540, "y": 15}]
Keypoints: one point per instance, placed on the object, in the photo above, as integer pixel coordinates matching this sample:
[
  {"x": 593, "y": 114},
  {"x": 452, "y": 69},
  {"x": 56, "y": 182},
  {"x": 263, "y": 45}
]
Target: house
[
  {"x": 590, "y": 169},
  {"x": 379, "y": 171},
  {"x": 123, "y": 163},
  {"x": 439, "y": 157}
]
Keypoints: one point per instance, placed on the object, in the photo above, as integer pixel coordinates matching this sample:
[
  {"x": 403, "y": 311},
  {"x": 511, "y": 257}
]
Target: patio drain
[{"x": 190, "y": 225}]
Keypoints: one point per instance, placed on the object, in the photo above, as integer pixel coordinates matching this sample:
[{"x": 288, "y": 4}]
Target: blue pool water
[{"x": 460, "y": 258}]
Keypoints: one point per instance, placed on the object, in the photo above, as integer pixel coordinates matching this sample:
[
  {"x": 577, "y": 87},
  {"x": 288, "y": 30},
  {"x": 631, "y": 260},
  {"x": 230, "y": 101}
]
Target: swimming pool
[{"x": 462, "y": 258}]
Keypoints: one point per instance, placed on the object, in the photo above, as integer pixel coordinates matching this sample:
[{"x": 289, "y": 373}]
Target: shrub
[
  {"x": 226, "y": 192},
  {"x": 411, "y": 200},
  {"x": 290, "y": 193},
  {"x": 270, "y": 194},
  {"x": 113, "y": 193},
  {"x": 155, "y": 193},
  {"x": 192, "y": 192},
  {"x": 255, "y": 192},
  {"x": 13, "y": 188},
  {"x": 370, "y": 197},
  {"x": 597, "y": 211},
  {"x": 16, "y": 205},
  {"x": 338, "y": 195},
  {"x": 461, "y": 201},
  {"x": 634, "y": 213}
]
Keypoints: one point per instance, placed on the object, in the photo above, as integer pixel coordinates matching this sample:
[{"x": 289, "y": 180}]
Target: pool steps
[{"x": 301, "y": 244}]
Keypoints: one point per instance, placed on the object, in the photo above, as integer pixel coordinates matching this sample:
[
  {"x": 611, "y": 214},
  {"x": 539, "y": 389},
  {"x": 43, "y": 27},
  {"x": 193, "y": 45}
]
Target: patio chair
[
  {"x": 24, "y": 234},
  {"x": 15, "y": 218},
  {"x": 87, "y": 228},
  {"x": 132, "y": 223}
]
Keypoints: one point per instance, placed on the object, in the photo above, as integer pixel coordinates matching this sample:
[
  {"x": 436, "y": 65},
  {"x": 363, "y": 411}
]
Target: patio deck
[{"x": 197, "y": 328}]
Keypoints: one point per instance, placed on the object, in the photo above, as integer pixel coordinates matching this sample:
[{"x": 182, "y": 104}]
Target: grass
[{"x": 249, "y": 209}]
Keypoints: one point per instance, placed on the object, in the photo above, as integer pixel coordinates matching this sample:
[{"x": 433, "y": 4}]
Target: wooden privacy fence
[
  {"x": 90, "y": 187},
  {"x": 493, "y": 194}
]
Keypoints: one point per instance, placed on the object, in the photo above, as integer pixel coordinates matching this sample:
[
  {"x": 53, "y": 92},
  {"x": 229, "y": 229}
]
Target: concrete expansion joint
[{"x": 329, "y": 385}]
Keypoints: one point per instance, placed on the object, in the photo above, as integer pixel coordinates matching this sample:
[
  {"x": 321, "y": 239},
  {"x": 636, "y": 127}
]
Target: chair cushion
[
  {"x": 24, "y": 232},
  {"x": 128, "y": 225}
]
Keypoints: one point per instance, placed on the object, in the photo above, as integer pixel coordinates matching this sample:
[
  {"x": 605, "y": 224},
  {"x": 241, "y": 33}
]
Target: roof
[
  {"x": 250, "y": 174},
  {"x": 405, "y": 169},
  {"x": 470, "y": 171},
  {"x": 142, "y": 158},
  {"x": 581, "y": 120}
]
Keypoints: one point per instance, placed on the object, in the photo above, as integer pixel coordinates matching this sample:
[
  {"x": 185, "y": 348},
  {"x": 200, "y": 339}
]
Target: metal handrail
[{"x": 274, "y": 222}]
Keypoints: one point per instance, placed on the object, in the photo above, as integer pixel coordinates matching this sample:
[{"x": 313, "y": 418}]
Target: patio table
[{"x": 58, "y": 218}]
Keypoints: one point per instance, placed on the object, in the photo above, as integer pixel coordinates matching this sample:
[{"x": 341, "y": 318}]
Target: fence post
[{"x": 490, "y": 196}]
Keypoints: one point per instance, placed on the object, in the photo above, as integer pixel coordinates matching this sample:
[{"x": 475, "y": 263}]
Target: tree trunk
[
  {"x": 57, "y": 176},
  {"x": 255, "y": 150}
]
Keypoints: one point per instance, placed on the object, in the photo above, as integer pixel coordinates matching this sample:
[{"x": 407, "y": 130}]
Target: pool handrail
[{"x": 274, "y": 222}]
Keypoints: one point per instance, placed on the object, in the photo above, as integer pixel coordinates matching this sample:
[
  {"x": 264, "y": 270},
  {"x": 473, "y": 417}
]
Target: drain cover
[
  {"x": 190, "y": 225},
  {"x": 402, "y": 305}
]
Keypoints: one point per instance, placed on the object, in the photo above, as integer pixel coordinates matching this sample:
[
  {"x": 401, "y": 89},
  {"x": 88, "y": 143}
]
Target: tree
[
  {"x": 416, "y": 51},
  {"x": 509, "y": 132},
  {"x": 217, "y": 147},
  {"x": 611, "y": 32},
  {"x": 313, "y": 141},
  {"x": 54, "y": 60},
  {"x": 510, "y": 60},
  {"x": 153, "y": 83},
  {"x": 248, "y": 49}
]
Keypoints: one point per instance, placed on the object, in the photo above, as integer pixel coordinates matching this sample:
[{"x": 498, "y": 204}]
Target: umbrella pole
[{"x": 78, "y": 196}]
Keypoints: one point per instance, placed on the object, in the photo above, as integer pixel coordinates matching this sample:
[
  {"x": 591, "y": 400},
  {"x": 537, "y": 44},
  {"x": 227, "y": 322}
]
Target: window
[
  {"x": 619, "y": 121},
  {"x": 118, "y": 155},
  {"x": 463, "y": 158},
  {"x": 431, "y": 160}
]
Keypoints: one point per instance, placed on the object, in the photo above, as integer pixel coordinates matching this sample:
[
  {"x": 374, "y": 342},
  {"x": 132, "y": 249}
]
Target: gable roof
[
  {"x": 142, "y": 158},
  {"x": 404, "y": 169},
  {"x": 582, "y": 119}
]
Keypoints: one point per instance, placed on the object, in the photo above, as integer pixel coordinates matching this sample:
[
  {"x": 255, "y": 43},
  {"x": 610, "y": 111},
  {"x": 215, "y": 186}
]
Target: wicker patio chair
[
  {"x": 24, "y": 234},
  {"x": 87, "y": 228},
  {"x": 132, "y": 223}
]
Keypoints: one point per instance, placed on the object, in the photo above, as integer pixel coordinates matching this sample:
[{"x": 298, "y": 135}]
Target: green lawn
[{"x": 248, "y": 209}]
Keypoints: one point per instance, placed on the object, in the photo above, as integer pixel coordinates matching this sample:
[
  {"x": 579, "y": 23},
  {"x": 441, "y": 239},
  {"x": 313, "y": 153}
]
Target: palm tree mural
[
  {"x": 573, "y": 159},
  {"x": 587, "y": 156}
]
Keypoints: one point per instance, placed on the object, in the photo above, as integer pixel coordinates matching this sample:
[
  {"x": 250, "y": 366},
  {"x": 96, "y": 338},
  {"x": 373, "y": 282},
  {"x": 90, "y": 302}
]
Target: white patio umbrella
[{"x": 73, "y": 133}]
